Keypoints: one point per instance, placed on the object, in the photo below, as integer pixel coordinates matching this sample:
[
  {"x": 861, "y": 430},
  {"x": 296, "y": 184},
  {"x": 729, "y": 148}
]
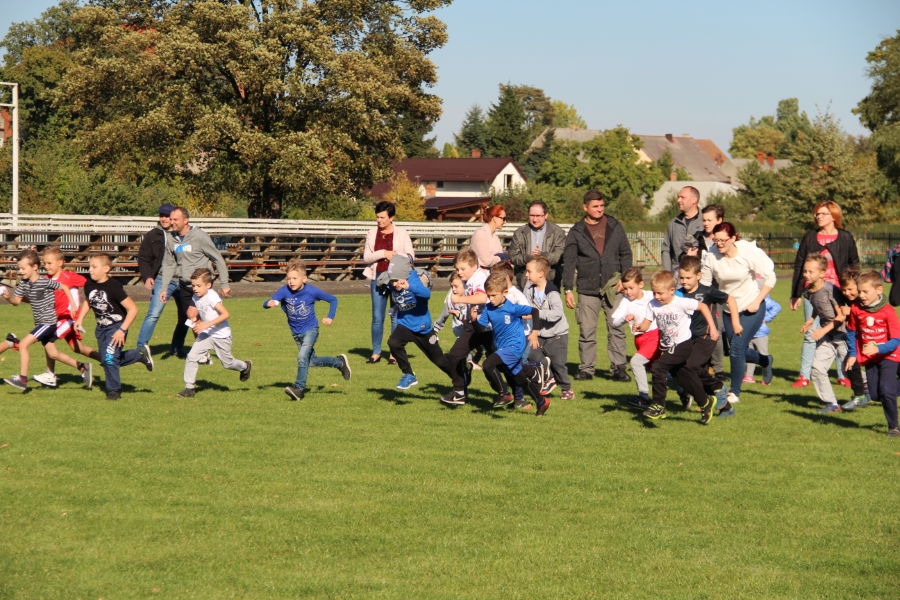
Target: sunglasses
[{"x": 501, "y": 218}]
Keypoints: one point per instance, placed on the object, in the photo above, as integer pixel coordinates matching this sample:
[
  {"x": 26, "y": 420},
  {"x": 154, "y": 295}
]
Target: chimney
[
  {"x": 760, "y": 157},
  {"x": 770, "y": 158},
  {"x": 430, "y": 189},
  {"x": 673, "y": 176},
  {"x": 685, "y": 135},
  {"x": 670, "y": 138},
  {"x": 476, "y": 153}
]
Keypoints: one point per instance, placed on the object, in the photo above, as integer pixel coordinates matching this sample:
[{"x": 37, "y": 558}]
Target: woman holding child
[{"x": 382, "y": 242}]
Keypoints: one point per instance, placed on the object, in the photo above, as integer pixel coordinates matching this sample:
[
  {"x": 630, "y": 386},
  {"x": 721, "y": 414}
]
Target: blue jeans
[
  {"x": 154, "y": 311},
  {"x": 808, "y": 350},
  {"x": 379, "y": 308},
  {"x": 113, "y": 357},
  {"x": 741, "y": 352},
  {"x": 306, "y": 357}
]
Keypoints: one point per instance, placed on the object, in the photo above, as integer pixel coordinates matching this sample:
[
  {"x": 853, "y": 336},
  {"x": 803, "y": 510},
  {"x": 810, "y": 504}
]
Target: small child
[
  {"x": 760, "y": 342},
  {"x": 553, "y": 335},
  {"x": 410, "y": 295},
  {"x": 115, "y": 312},
  {"x": 877, "y": 339},
  {"x": 861, "y": 398},
  {"x": 506, "y": 320},
  {"x": 208, "y": 317},
  {"x": 515, "y": 295},
  {"x": 297, "y": 299},
  {"x": 53, "y": 264},
  {"x": 633, "y": 308},
  {"x": 830, "y": 340},
  {"x": 451, "y": 308},
  {"x": 39, "y": 292},
  {"x": 673, "y": 318}
]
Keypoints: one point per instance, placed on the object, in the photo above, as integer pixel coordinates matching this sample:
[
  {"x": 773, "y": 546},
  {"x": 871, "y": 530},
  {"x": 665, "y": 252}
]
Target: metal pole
[{"x": 15, "y": 153}]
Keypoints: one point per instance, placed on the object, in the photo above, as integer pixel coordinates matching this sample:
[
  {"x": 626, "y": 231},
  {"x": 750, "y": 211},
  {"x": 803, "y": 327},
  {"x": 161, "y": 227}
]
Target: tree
[
  {"x": 565, "y": 115},
  {"x": 449, "y": 151},
  {"x": 533, "y": 160},
  {"x": 629, "y": 208},
  {"x": 771, "y": 134},
  {"x": 405, "y": 196},
  {"x": 538, "y": 109},
  {"x": 473, "y": 133},
  {"x": 282, "y": 101},
  {"x": 507, "y": 135},
  {"x": 879, "y": 112},
  {"x": 412, "y": 134}
]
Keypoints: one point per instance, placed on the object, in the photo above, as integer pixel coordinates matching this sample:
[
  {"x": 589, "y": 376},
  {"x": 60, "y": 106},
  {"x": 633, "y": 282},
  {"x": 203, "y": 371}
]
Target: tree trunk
[{"x": 265, "y": 202}]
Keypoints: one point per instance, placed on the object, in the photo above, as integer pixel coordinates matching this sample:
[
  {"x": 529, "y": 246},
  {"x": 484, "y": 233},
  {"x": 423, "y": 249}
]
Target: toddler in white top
[{"x": 634, "y": 308}]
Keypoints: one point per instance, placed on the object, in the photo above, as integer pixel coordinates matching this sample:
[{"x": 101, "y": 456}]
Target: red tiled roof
[
  {"x": 478, "y": 170},
  {"x": 713, "y": 151},
  {"x": 687, "y": 154},
  {"x": 445, "y": 202}
]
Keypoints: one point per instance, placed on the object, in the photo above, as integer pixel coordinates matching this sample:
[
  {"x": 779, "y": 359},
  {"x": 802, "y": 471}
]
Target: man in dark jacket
[
  {"x": 150, "y": 258},
  {"x": 597, "y": 249},
  {"x": 539, "y": 237},
  {"x": 686, "y": 225}
]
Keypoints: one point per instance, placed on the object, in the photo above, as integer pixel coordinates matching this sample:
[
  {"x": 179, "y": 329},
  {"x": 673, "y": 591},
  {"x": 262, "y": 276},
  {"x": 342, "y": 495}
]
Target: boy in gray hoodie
[{"x": 553, "y": 336}]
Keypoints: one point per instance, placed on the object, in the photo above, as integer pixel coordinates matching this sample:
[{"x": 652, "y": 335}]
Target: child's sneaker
[
  {"x": 639, "y": 402},
  {"x": 852, "y": 404},
  {"x": 186, "y": 393},
  {"x": 801, "y": 382},
  {"x": 894, "y": 432},
  {"x": 294, "y": 392},
  {"x": 748, "y": 379},
  {"x": 567, "y": 395},
  {"x": 454, "y": 398},
  {"x": 843, "y": 382},
  {"x": 726, "y": 412},
  {"x": 245, "y": 374},
  {"x": 146, "y": 357},
  {"x": 87, "y": 374},
  {"x": 768, "y": 372},
  {"x": 543, "y": 407},
  {"x": 686, "y": 400},
  {"x": 407, "y": 380},
  {"x": 721, "y": 376},
  {"x": 549, "y": 386},
  {"x": 503, "y": 400},
  {"x": 47, "y": 378},
  {"x": 706, "y": 411},
  {"x": 523, "y": 404},
  {"x": 863, "y": 401},
  {"x": 721, "y": 397},
  {"x": 12, "y": 339},
  {"x": 829, "y": 408},
  {"x": 732, "y": 398},
  {"x": 113, "y": 395},
  {"x": 345, "y": 366},
  {"x": 17, "y": 381},
  {"x": 657, "y": 411}
]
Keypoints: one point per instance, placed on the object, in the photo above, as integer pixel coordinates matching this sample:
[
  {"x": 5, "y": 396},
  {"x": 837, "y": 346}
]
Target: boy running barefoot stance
[
  {"x": 209, "y": 319},
  {"x": 40, "y": 294},
  {"x": 115, "y": 312}
]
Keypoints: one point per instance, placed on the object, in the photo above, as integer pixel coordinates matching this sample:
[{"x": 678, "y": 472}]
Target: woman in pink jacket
[
  {"x": 382, "y": 242},
  {"x": 486, "y": 243}
]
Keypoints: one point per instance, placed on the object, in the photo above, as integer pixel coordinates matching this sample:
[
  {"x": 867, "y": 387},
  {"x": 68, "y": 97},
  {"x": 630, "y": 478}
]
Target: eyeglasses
[
  {"x": 501, "y": 218},
  {"x": 537, "y": 216},
  {"x": 719, "y": 241},
  {"x": 823, "y": 214}
]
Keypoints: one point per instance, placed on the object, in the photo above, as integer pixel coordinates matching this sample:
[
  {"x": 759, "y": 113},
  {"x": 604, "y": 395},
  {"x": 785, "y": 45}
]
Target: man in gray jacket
[
  {"x": 598, "y": 250},
  {"x": 188, "y": 248},
  {"x": 539, "y": 237},
  {"x": 682, "y": 228}
]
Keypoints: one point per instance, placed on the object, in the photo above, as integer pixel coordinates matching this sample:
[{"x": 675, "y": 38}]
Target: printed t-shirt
[
  {"x": 878, "y": 327},
  {"x": 206, "y": 306},
  {"x": 106, "y": 301},
  {"x": 673, "y": 320}
]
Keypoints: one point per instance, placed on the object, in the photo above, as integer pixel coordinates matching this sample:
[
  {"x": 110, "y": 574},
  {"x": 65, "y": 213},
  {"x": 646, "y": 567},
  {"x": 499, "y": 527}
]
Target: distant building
[
  {"x": 766, "y": 162},
  {"x": 6, "y": 131}
]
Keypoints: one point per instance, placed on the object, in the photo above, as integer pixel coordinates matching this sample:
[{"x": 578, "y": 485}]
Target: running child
[
  {"x": 877, "y": 339},
  {"x": 673, "y": 319},
  {"x": 452, "y": 309},
  {"x": 208, "y": 318},
  {"x": 831, "y": 343},
  {"x": 115, "y": 312},
  {"x": 553, "y": 334},
  {"x": 633, "y": 308},
  {"x": 39, "y": 292},
  {"x": 297, "y": 299},
  {"x": 515, "y": 295},
  {"x": 760, "y": 342},
  {"x": 411, "y": 296},
  {"x": 861, "y": 398},
  {"x": 506, "y": 320}
]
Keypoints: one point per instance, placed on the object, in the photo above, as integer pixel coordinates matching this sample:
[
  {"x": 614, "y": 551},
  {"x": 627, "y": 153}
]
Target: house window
[
  {"x": 509, "y": 181},
  {"x": 440, "y": 184}
]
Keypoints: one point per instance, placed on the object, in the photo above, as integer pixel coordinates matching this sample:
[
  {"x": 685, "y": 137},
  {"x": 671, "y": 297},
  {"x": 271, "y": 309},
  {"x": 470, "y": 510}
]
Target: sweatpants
[
  {"x": 506, "y": 362},
  {"x": 639, "y": 364},
  {"x": 761, "y": 345},
  {"x": 201, "y": 348},
  {"x": 472, "y": 337},
  {"x": 113, "y": 357},
  {"x": 828, "y": 349},
  {"x": 882, "y": 378},
  {"x": 673, "y": 360},
  {"x": 557, "y": 350},
  {"x": 427, "y": 343}
]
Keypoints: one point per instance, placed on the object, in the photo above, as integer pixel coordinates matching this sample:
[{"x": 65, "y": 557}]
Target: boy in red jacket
[{"x": 877, "y": 330}]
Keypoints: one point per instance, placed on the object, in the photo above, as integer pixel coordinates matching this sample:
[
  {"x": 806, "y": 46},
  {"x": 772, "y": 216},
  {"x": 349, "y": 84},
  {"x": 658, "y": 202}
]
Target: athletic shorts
[
  {"x": 647, "y": 344},
  {"x": 65, "y": 330},
  {"x": 45, "y": 334}
]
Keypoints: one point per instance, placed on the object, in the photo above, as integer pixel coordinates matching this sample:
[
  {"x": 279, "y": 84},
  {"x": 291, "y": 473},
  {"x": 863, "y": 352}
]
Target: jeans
[
  {"x": 883, "y": 387},
  {"x": 808, "y": 350},
  {"x": 154, "y": 311},
  {"x": 379, "y": 308},
  {"x": 741, "y": 353},
  {"x": 306, "y": 357},
  {"x": 113, "y": 357}
]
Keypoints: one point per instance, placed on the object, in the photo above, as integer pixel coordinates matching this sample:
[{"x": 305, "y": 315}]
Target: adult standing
[
  {"x": 597, "y": 249},
  {"x": 839, "y": 249},
  {"x": 188, "y": 248},
  {"x": 382, "y": 242},
  {"x": 539, "y": 237},
  {"x": 712, "y": 215},
  {"x": 683, "y": 228},
  {"x": 486, "y": 243},
  {"x": 150, "y": 259},
  {"x": 733, "y": 265}
]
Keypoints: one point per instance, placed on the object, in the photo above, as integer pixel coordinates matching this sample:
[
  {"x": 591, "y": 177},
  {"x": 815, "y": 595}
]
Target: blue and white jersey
[
  {"x": 506, "y": 320},
  {"x": 299, "y": 306}
]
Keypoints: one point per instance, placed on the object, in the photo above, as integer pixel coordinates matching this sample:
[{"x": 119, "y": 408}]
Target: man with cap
[{"x": 150, "y": 258}]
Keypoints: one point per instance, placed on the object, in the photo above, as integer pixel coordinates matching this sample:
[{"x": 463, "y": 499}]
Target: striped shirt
[{"x": 40, "y": 294}]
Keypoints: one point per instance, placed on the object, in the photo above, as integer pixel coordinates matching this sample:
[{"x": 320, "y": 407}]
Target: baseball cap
[{"x": 166, "y": 209}]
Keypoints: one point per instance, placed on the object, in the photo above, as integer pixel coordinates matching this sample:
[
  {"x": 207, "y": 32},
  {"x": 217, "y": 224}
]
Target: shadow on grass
[
  {"x": 364, "y": 353},
  {"x": 830, "y": 419},
  {"x": 208, "y": 385},
  {"x": 797, "y": 400}
]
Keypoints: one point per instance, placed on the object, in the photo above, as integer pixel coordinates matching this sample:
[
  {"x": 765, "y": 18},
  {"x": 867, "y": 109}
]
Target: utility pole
[{"x": 15, "y": 149}]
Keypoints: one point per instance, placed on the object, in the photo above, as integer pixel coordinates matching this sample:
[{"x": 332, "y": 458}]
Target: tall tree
[
  {"x": 880, "y": 110},
  {"x": 537, "y": 106},
  {"x": 279, "y": 100},
  {"x": 565, "y": 115},
  {"x": 533, "y": 160},
  {"x": 412, "y": 134},
  {"x": 405, "y": 195},
  {"x": 772, "y": 134},
  {"x": 473, "y": 133},
  {"x": 507, "y": 135}
]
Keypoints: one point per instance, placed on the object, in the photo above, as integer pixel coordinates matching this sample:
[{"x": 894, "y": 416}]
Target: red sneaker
[
  {"x": 801, "y": 382},
  {"x": 843, "y": 382}
]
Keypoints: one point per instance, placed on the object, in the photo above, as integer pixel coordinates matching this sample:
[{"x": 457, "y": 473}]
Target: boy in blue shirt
[
  {"x": 297, "y": 300},
  {"x": 413, "y": 320},
  {"x": 505, "y": 319}
]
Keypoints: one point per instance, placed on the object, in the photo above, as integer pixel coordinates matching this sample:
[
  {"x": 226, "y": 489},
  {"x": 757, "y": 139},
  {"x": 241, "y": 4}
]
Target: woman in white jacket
[
  {"x": 733, "y": 264},
  {"x": 382, "y": 242}
]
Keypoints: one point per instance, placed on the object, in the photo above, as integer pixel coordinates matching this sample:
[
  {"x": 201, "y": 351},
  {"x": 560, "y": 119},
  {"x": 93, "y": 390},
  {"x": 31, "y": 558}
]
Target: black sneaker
[
  {"x": 638, "y": 402},
  {"x": 454, "y": 398},
  {"x": 294, "y": 393},
  {"x": 12, "y": 339},
  {"x": 146, "y": 357},
  {"x": 113, "y": 395},
  {"x": 619, "y": 374},
  {"x": 503, "y": 400},
  {"x": 523, "y": 405},
  {"x": 17, "y": 382},
  {"x": 583, "y": 376},
  {"x": 245, "y": 374},
  {"x": 87, "y": 374},
  {"x": 185, "y": 393},
  {"x": 345, "y": 366},
  {"x": 706, "y": 411},
  {"x": 686, "y": 401},
  {"x": 657, "y": 411}
]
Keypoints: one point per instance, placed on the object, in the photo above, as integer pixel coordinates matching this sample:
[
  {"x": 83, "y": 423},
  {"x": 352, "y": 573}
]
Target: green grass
[{"x": 361, "y": 491}]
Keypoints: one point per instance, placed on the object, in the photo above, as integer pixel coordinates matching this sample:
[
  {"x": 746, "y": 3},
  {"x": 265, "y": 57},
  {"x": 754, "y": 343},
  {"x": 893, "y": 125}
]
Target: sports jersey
[
  {"x": 206, "y": 306},
  {"x": 39, "y": 294},
  {"x": 506, "y": 321},
  {"x": 515, "y": 296},
  {"x": 673, "y": 320},
  {"x": 76, "y": 283},
  {"x": 880, "y": 326}
]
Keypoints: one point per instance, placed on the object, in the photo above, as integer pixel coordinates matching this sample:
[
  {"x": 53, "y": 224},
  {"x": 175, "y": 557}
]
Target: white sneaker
[
  {"x": 732, "y": 398},
  {"x": 46, "y": 378}
]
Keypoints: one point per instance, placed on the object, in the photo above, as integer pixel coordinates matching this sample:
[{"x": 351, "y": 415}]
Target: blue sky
[{"x": 694, "y": 66}]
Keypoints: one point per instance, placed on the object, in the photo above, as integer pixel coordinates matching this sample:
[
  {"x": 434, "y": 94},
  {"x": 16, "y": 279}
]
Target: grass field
[{"x": 361, "y": 491}]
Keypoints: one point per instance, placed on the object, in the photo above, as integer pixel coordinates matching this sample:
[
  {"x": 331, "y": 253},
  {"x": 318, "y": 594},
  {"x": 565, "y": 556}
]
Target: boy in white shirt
[
  {"x": 209, "y": 319},
  {"x": 673, "y": 319},
  {"x": 634, "y": 308}
]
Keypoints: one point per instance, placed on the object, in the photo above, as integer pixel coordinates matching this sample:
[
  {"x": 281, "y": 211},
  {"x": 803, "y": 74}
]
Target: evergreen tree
[
  {"x": 880, "y": 110},
  {"x": 449, "y": 151},
  {"x": 506, "y": 132},
  {"x": 412, "y": 134},
  {"x": 533, "y": 161},
  {"x": 472, "y": 134}
]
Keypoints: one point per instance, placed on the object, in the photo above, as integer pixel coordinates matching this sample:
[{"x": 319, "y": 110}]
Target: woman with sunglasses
[
  {"x": 486, "y": 243},
  {"x": 839, "y": 248},
  {"x": 734, "y": 264}
]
